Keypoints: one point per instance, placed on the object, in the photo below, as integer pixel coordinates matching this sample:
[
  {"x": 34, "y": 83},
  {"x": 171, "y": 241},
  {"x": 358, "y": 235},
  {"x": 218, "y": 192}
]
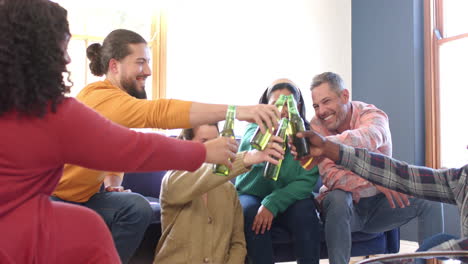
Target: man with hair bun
[{"x": 124, "y": 60}]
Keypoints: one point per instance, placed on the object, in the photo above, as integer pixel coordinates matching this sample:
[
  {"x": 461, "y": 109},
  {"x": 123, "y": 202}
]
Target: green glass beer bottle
[
  {"x": 296, "y": 124},
  {"x": 260, "y": 140},
  {"x": 228, "y": 131},
  {"x": 271, "y": 170}
]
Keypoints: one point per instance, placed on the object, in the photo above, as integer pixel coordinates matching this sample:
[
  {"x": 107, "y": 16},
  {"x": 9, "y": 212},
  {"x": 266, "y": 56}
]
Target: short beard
[
  {"x": 340, "y": 119},
  {"x": 131, "y": 89}
]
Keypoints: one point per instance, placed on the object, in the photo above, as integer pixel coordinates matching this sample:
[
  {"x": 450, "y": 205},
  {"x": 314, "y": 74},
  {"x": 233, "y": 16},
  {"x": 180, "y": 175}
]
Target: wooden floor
[{"x": 405, "y": 247}]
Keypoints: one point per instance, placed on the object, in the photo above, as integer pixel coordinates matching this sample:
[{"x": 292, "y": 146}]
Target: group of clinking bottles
[{"x": 289, "y": 126}]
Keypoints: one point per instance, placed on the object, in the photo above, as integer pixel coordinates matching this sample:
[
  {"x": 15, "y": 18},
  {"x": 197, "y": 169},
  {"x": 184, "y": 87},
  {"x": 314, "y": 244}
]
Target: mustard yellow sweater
[{"x": 78, "y": 184}]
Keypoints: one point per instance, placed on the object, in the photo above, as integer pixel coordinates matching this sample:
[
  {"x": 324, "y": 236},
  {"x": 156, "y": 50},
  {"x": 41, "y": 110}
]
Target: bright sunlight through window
[{"x": 453, "y": 87}]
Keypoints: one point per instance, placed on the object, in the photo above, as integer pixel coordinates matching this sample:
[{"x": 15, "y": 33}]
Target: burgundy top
[{"x": 32, "y": 154}]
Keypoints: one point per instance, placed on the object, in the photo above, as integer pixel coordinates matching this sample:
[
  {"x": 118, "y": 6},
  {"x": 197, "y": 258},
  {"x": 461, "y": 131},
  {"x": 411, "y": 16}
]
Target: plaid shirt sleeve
[
  {"x": 443, "y": 185},
  {"x": 432, "y": 184}
]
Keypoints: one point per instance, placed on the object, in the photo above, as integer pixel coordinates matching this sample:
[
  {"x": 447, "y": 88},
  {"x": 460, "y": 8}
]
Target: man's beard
[
  {"x": 130, "y": 87},
  {"x": 340, "y": 118}
]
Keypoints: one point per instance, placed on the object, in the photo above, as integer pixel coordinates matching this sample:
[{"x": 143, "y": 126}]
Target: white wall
[{"x": 230, "y": 51}]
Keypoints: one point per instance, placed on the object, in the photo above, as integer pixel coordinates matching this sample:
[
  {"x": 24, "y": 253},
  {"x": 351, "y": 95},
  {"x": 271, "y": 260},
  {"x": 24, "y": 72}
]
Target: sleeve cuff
[
  {"x": 347, "y": 155},
  {"x": 270, "y": 206},
  {"x": 238, "y": 166}
]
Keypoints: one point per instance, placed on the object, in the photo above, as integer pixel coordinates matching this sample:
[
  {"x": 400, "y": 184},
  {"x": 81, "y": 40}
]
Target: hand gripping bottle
[
  {"x": 271, "y": 170},
  {"x": 296, "y": 124},
  {"x": 228, "y": 131},
  {"x": 260, "y": 140}
]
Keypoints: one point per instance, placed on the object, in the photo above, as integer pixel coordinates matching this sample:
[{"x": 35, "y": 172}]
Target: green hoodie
[{"x": 293, "y": 184}]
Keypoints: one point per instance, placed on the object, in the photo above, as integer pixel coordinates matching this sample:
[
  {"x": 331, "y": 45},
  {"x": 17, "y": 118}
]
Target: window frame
[
  {"x": 433, "y": 39},
  {"x": 157, "y": 45}
]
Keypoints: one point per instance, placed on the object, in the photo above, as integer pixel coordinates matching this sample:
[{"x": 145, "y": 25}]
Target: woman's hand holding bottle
[
  {"x": 221, "y": 150},
  {"x": 272, "y": 153}
]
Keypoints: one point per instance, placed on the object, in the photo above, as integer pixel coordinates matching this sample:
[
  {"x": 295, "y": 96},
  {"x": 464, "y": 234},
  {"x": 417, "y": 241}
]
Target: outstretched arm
[
  {"x": 171, "y": 113},
  {"x": 181, "y": 187},
  {"x": 261, "y": 114},
  {"x": 414, "y": 180}
]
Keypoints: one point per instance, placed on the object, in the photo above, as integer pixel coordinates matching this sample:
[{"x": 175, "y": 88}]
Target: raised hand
[
  {"x": 272, "y": 153},
  {"x": 320, "y": 148},
  {"x": 317, "y": 142},
  {"x": 315, "y": 157},
  {"x": 262, "y": 114},
  {"x": 221, "y": 150}
]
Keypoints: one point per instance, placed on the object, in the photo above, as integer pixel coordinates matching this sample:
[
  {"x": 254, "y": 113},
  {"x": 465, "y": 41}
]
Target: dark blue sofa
[{"x": 149, "y": 184}]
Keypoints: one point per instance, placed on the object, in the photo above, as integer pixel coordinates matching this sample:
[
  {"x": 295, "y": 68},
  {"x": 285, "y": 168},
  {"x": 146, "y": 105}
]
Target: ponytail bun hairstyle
[
  {"x": 93, "y": 52},
  {"x": 115, "y": 46}
]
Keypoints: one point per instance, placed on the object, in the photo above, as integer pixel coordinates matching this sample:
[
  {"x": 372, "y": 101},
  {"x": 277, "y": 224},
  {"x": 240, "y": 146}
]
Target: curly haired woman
[{"x": 41, "y": 130}]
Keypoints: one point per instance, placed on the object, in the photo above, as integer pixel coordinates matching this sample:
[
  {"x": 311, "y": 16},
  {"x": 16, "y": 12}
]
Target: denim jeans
[
  {"x": 300, "y": 219},
  {"x": 371, "y": 215},
  {"x": 126, "y": 214}
]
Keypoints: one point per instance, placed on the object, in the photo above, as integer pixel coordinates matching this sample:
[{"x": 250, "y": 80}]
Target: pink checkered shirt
[{"x": 369, "y": 129}]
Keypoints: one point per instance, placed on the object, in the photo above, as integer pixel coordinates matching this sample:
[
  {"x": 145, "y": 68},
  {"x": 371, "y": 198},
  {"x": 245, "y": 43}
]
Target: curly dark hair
[
  {"x": 33, "y": 38},
  {"x": 114, "y": 46}
]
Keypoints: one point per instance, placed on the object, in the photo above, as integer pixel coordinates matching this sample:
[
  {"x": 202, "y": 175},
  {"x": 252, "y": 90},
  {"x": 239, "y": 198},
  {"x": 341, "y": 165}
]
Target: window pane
[
  {"x": 231, "y": 56},
  {"x": 78, "y": 65},
  {"x": 98, "y": 18},
  {"x": 90, "y": 21},
  {"x": 453, "y": 94},
  {"x": 455, "y": 18}
]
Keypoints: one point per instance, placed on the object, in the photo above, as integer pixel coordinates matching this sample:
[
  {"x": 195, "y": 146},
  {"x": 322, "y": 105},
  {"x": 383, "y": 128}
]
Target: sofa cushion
[
  {"x": 147, "y": 184},
  {"x": 154, "y": 203},
  {"x": 144, "y": 183}
]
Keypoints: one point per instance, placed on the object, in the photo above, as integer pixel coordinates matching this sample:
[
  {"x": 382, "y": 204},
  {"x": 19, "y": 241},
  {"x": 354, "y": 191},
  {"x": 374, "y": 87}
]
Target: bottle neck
[
  {"x": 283, "y": 127},
  {"x": 230, "y": 116},
  {"x": 280, "y": 102},
  {"x": 292, "y": 107}
]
